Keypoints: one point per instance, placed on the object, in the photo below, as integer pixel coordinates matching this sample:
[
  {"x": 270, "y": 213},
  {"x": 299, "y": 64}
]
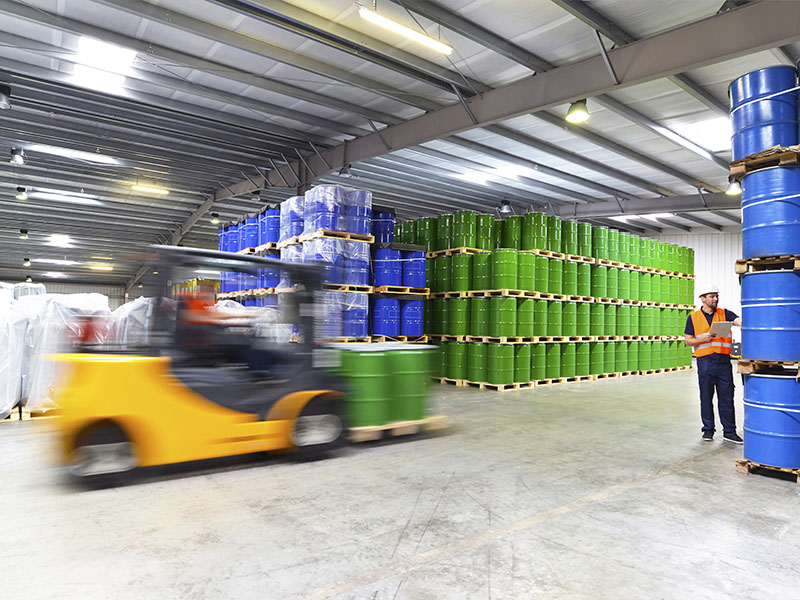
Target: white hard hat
[{"x": 711, "y": 288}]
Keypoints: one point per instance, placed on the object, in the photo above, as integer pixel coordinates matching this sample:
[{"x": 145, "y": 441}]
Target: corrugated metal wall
[
  {"x": 115, "y": 293},
  {"x": 714, "y": 257}
]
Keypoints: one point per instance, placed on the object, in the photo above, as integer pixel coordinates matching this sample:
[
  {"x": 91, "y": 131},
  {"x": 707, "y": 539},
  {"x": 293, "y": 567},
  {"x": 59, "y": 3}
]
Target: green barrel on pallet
[
  {"x": 555, "y": 276},
  {"x": 554, "y": 318},
  {"x": 498, "y": 233},
  {"x": 636, "y": 320},
  {"x": 633, "y": 356},
  {"x": 526, "y": 265},
  {"x": 525, "y": 317},
  {"x": 659, "y": 316},
  {"x": 569, "y": 285},
  {"x": 442, "y": 264},
  {"x": 624, "y": 284},
  {"x": 430, "y": 274},
  {"x": 399, "y": 232},
  {"x": 552, "y": 369},
  {"x": 540, "y": 273},
  {"x": 621, "y": 357},
  {"x": 439, "y": 318},
  {"x": 554, "y": 241},
  {"x": 426, "y": 233},
  {"x": 690, "y": 297},
  {"x": 569, "y": 358},
  {"x": 479, "y": 316},
  {"x": 655, "y": 355},
  {"x": 457, "y": 360},
  {"x": 504, "y": 269},
  {"x": 528, "y": 232},
  {"x": 596, "y": 358},
  {"x": 538, "y": 361},
  {"x": 613, "y": 244},
  {"x": 411, "y": 232},
  {"x": 623, "y": 252},
  {"x": 440, "y": 366},
  {"x": 584, "y": 239},
  {"x": 464, "y": 229},
  {"x": 460, "y": 272},
  {"x": 597, "y": 321},
  {"x": 690, "y": 262},
  {"x": 522, "y": 363},
  {"x": 368, "y": 377},
  {"x": 540, "y": 225},
  {"x": 635, "y": 282},
  {"x": 444, "y": 230},
  {"x": 610, "y": 319},
  {"x": 484, "y": 232},
  {"x": 540, "y": 318},
  {"x": 457, "y": 316},
  {"x": 599, "y": 281},
  {"x": 624, "y": 320},
  {"x": 656, "y": 295},
  {"x": 609, "y": 357},
  {"x": 582, "y": 360},
  {"x": 582, "y": 319},
  {"x": 645, "y": 321},
  {"x": 409, "y": 383},
  {"x": 674, "y": 291},
  {"x": 427, "y": 316},
  {"x": 633, "y": 250},
  {"x": 645, "y": 356},
  {"x": 569, "y": 319},
  {"x": 500, "y": 363},
  {"x": 512, "y": 232},
  {"x": 584, "y": 279},
  {"x": 476, "y": 362},
  {"x": 569, "y": 237},
  {"x": 481, "y": 271},
  {"x": 600, "y": 242},
  {"x": 503, "y": 316},
  {"x": 612, "y": 282},
  {"x": 645, "y": 288}
]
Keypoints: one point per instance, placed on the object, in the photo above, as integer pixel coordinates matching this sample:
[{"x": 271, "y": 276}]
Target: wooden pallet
[
  {"x": 343, "y": 287},
  {"x": 489, "y": 339},
  {"x": 337, "y": 235},
  {"x": 604, "y": 376},
  {"x": 242, "y": 293},
  {"x": 452, "y": 251},
  {"x": 288, "y": 290},
  {"x": 748, "y": 366},
  {"x": 789, "y": 262},
  {"x": 608, "y": 338},
  {"x": 581, "y": 259},
  {"x": 581, "y": 338},
  {"x": 400, "y": 289},
  {"x": 578, "y": 378},
  {"x": 628, "y": 373},
  {"x": 259, "y": 249},
  {"x": 397, "y": 428},
  {"x": 555, "y": 381},
  {"x": 580, "y": 299},
  {"x": 446, "y": 338},
  {"x": 292, "y": 241},
  {"x": 748, "y": 466},
  {"x": 776, "y": 156},
  {"x": 346, "y": 340},
  {"x": 380, "y": 339},
  {"x": 499, "y": 387},
  {"x": 549, "y": 254},
  {"x": 448, "y": 381}
]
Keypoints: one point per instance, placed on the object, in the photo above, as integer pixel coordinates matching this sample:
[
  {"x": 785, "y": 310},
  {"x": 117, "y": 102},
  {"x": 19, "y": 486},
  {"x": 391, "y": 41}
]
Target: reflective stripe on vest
[{"x": 719, "y": 345}]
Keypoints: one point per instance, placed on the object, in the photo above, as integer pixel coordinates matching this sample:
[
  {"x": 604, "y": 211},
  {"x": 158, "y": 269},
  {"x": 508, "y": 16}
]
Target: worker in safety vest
[{"x": 714, "y": 371}]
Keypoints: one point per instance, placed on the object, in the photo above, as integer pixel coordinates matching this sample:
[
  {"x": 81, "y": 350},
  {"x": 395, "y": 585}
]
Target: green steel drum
[
  {"x": 540, "y": 318},
  {"x": 554, "y": 242},
  {"x": 430, "y": 274},
  {"x": 460, "y": 272},
  {"x": 672, "y": 257},
  {"x": 522, "y": 363},
  {"x": 569, "y": 284},
  {"x": 504, "y": 269},
  {"x": 633, "y": 250},
  {"x": 555, "y": 276},
  {"x": 599, "y": 281},
  {"x": 554, "y": 318},
  {"x": 683, "y": 291},
  {"x": 409, "y": 380},
  {"x": 444, "y": 229},
  {"x": 612, "y": 282},
  {"x": 582, "y": 319},
  {"x": 457, "y": 360},
  {"x": 610, "y": 319},
  {"x": 539, "y": 232},
  {"x": 623, "y": 320},
  {"x": 399, "y": 232},
  {"x": 525, "y": 317},
  {"x": 657, "y": 356},
  {"x": 569, "y": 319},
  {"x": 633, "y": 356},
  {"x": 457, "y": 316},
  {"x": 609, "y": 357},
  {"x": 624, "y": 247},
  {"x": 645, "y": 289},
  {"x": 484, "y": 232},
  {"x": 624, "y": 284},
  {"x": 481, "y": 271},
  {"x": 464, "y": 229},
  {"x": 442, "y": 365},
  {"x": 613, "y": 244},
  {"x": 500, "y": 364},
  {"x": 621, "y": 357},
  {"x": 690, "y": 262},
  {"x": 584, "y": 239},
  {"x": 503, "y": 316},
  {"x": 442, "y": 264},
  {"x": 526, "y": 264},
  {"x": 538, "y": 362},
  {"x": 479, "y": 316},
  {"x": 596, "y": 358},
  {"x": 584, "y": 279},
  {"x": 600, "y": 242},
  {"x": 528, "y": 232},
  {"x": 636, "y": 321},
  {"x": 645, "y": 356},
  {"x": 368, "y": 377},
  {"x": 672, "y": 361},
  {"x": 476, "y": 362},
  {"x": 426, "y": 233},
  {"x": 498, "y": 233},
  {"x": 568, "y": 360},
  {"x": 569, "y": 237},
  {"x": 512, "y": 232},
  {"x": 440, "y": 317},
  {"x": 552, "y": 369},
  {"x": 690, "y": 295},
  {"x": 410, "y": 232},
  {"x": 655, "y": 288},
  {"x": 582, "y": 360},
  {"x": 674, "y": 295},
  {"x": 634, "y": 282},
  {"x": 646, "y": 321},
  {"x": 597, "y": 322},
  {"x": 658, "y": 321},
  {"x": 427, "y": 316},
  {"x": 540, "y": 273}
]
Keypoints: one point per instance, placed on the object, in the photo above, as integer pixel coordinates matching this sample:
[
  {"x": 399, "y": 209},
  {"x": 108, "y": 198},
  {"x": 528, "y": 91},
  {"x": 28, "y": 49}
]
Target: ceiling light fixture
[
  {"x": 141, "y": 285},
  {"x": 214, "y": 219},
  {"x": 28, "y": 279},
  {"x": 59, "y": 240},
  {"x": 57, "y": 261},
  {"x": 102, "y": 66},
  {"x": 23, "y": 234},
  {"x": 734, "y": 188},
  {"x": 505, "y": 207},
  {"x": 5, "y": 96},
  {"x": 256, "y": 196},
  {"x": 54, "y": 275},
  {"x": 412, "y": 34},
  {"x": 577, "y": 113},
  {"x": 101, "y": 267},
  {"x": 17, "y": 156},
  {"x": 21, "y": 193},
  {"x": 60, "y": 196},
  {"x": 149, "y": 190},
  {"x": 345, "y": 171},
  {"x": 75, "y": 154},
  {"x": 26, "y": 262}
]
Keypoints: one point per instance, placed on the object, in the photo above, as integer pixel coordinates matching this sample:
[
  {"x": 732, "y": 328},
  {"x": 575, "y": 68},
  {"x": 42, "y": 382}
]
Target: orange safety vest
[{"x": 719, "y": 345}]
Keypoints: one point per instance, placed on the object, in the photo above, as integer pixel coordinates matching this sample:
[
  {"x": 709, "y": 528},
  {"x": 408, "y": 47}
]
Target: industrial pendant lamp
[
  {"x": 22, "y": 193},
  {"x": 5, "y": 96},
  {"x": 734, "y": 189},
  {"x": 578, "y": 113},
  {"x": 505, "y": 208},
  {"x": 214, "y": 219},
  {"x": 17, "y": 156}
]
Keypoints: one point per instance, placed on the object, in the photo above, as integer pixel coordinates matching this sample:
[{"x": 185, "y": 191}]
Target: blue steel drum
[
  {"x": 771, "y": 315},
  {"x": 388, "y": 268},
  {"x": 234, "y": 239},
  {"x": 269, "y": 301},
  {"x": 771, "y": 212},
  {"x": 250, "y": 301},
  {"x": 356, "y": 263},
  {"x": 414, "y": 269},
  {"x": 355, "y": 320},
  {"x": 269, "y": 278},
  {"x": 772, "y": 419},
  {"x": 248, "y": 281},
  {"x": 262, "y": 227},
  {"x": 250, "y": 237},
  {"x": 324, "y": 208},
  {"x": 272, "y": 221},
  {"x": 386, "y": 317},
  {"x": 383, "y": 227},
  {"x": 411, "y": 318},
  {"x": 358, "y": 212},
  {"x": 762, "y": 116}
]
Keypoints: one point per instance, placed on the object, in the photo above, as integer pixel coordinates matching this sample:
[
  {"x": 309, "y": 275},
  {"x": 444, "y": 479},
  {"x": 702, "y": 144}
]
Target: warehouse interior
[{"x": 140, "y": 138}]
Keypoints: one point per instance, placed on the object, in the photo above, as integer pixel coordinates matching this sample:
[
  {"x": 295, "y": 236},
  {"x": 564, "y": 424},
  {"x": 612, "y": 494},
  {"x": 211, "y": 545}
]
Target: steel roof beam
[
  {"x": 699, "y": 221},
  {"x": 673, "y": 204},
  {"x": 724, "y": 215},
  {"x": 638, "y": 230}
]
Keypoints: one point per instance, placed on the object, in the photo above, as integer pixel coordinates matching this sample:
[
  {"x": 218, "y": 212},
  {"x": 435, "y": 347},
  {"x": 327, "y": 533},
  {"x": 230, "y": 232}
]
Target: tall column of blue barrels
[{"x": 764, "y": 114}]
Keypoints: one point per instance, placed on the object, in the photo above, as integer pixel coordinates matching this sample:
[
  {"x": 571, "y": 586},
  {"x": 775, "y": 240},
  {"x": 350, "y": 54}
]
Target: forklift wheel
[
  {"x": 320, "y": 428},
  {"x": 103, "y": 455}
]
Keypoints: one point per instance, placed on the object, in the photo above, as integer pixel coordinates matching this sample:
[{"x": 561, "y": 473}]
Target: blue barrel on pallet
[
  {"x": 292, "y": 217},
  {"x": 269, "y": 226},
  {"x": 269, "y": 278},
  {"x": 771, "y": 212},
  {"x": 772, "y": 419},
  {"x": 383, "y": 227},
  {"x": 355, "y": 315},
  {"x": 386, "y": 317},
  {"x": 387, "y": 267},
  {"x": 222, "y": 246},
  {"x": 330, "y": 252},
  {"x": 268, "y": 301},
  {"x": 763, "y": 112},
  {"x": 414, "y": 269},
  {"x": 324, "y": 208},
  {"x": 358, "y": 212},
  {"x": 234, "y": 240},
  {"x": 771, "y": 315},
  {"x": 250, "y": 237},
  {"x": 411, "y": 318},
  {"x": 356, "y": 263}
]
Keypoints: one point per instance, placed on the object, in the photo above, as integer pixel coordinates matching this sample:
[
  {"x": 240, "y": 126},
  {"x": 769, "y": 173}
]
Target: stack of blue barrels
[
  {"x": 398, "y": 265},
  {"x": 383, "y": 222},
  {"x": 764, "y": 113}
]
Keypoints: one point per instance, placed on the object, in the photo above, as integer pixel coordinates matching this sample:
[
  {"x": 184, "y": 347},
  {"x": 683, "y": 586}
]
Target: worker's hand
[{"x": 707, "y": 337}]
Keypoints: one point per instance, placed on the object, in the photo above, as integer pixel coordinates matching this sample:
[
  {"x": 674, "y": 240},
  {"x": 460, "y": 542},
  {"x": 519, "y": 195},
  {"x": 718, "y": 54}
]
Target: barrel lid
[
  {"x": 730, "y": 85},
  {"x": 383, "y": 209},
  {"x": 770, "y": 271},
  {"x": 746, "y": 175},
  {"x": 772, "y": 376}
]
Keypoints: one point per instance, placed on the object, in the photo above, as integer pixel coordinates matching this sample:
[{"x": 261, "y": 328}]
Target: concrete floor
[{"x": 594, "y": 490}]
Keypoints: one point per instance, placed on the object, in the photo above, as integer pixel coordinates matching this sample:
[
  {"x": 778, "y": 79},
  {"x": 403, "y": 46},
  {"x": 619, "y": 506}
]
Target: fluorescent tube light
[
  {"x": 59, "y": 240},
  {"x": 56, "y": 261},
  {"x": 102, "y": 66},
  {"x": 76, "y": 154},
  {"x": 206, "y": 272},
  {"x": 66, "y": 197},
  {"x": 412, "y": 34},
  {"x": 149, "y": 190},
  {"x": 101, "y": 267},
  {"x": 54, "y": 275}
]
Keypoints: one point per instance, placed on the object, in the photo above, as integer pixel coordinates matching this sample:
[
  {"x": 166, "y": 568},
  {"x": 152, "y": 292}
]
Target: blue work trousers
[{"x": 712, "y": 375}]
